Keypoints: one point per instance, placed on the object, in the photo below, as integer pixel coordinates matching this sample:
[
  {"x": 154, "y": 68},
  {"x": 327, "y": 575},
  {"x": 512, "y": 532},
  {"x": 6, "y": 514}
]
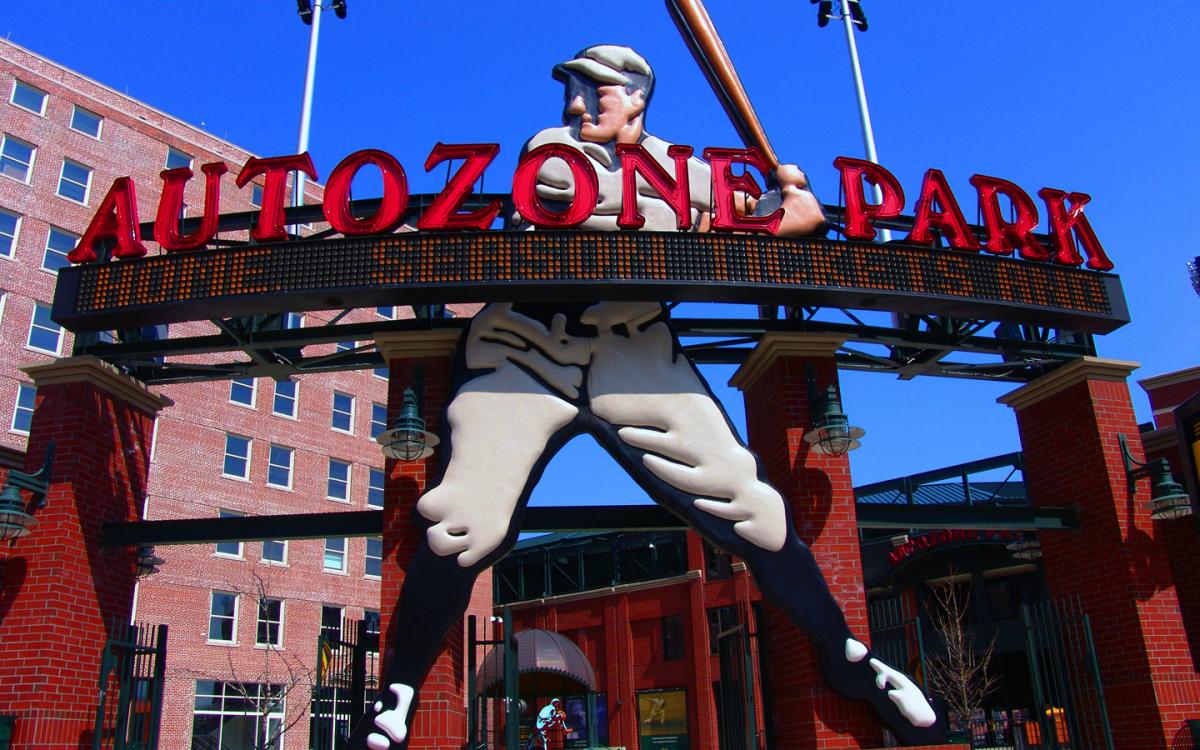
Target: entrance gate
[
  {"x": 345, "y": 680},
  {"x": 132, "y": 671},
  {"x": 1068, "y": 695},
  {"x": 736, "y": 725}
]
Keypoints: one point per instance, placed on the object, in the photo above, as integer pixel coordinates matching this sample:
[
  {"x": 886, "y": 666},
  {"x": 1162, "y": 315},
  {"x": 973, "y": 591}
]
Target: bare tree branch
[{"x": 960, "y": 675}]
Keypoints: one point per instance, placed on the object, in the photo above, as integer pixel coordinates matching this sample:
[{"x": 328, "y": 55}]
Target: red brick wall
[
  {"x": 1115, "y": 561},
  {"x": 65, "y": 594},
  {"x": 807, "y": 713}
]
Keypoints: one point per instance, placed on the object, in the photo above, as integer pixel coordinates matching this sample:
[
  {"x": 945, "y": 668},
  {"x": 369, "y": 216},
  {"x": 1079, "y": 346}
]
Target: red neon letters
[
  {"x": 443, "y": 213},
  {"x": 524, "y": 193},
  {"x": 391, "y": 206},
  {"x": 170, "y": 208},
  {"x": 270, "y": 219},
  {"x": 115, "y": 223},
  {"x": 116, "y": 220},
  {"x": 860, "y": 213}
]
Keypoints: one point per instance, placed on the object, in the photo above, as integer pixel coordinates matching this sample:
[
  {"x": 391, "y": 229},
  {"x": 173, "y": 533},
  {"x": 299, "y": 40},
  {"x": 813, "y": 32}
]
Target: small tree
[{"x": 960, "y": 675}]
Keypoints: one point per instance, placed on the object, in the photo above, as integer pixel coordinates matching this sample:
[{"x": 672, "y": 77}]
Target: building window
[
  {"x": 380, "y": 372},
  {"x": 331, "y": 622},
  {"x": 256, "y": 193},
  {"x": 285, "y": 398},
  {"x": 375, "y": 488},
  {"x": 242, "y": 391},
  {"x": 718, "y": 565},
  {"x": 374, "y": 565},
  {"x": 279, "y": 467},
  {"x": 86, "y": 122},
  {"x": 371, "y": 616},
  {"x": 3, "y": 299},
  {"x": 672, "y": 637},
  {"x": 270, "y": 622},
  {"x": 10, "y": 227},
  {"x": 241, "y": 715},
  {"x": 44, "y": 334},
  {"x": 720, "y": 619},
  {"x": 346, "y": 346},
  {"x": 23, "y": 410},
  {"x": 177, "y": 159},
  {"x": 274, "y": 551},
  {"x": 335, "y": 554},
  {"x": 378, "y": 419},
  {"x": 237, "y": 457},
  {"x": 343, "y": 412},
  {"x": 338, "y": 486},
  {"x": 292, "y": 321},
  {"x": 28, "y": 97},
  {"x": 388, "y": 312},
  {"x": 75, "y": 181},
  {"x": 229, "y": 549},
  {"x": 222, "y": 617},
  {"x": 58, "y": 244},
  {"x": 16, "y": 158}
]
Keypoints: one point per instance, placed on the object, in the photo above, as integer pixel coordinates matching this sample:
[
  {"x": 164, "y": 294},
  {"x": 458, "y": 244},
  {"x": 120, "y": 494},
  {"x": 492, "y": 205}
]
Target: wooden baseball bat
[{"x": 701, "y": 36}]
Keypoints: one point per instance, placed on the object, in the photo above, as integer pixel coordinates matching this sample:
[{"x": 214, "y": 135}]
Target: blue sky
[{"x": 1097, "y": 97}]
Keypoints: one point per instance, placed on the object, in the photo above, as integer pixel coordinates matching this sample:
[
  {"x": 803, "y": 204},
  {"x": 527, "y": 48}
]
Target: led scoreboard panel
[{"x": 418, "y": 268}]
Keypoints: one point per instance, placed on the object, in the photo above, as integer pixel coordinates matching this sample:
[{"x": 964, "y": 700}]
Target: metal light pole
[
  {"x": 311, "y": 15},
  {"x": 852, "y": 15}
]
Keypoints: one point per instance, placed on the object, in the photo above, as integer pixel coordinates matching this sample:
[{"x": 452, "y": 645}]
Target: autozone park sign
[{"x": 1005, "y": 272}]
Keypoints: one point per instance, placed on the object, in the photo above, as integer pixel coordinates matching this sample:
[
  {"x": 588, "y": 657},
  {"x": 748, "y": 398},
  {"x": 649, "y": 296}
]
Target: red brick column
[
  {"x": 1116, "y": 560},
  {"x": 441, "y": 719},
  {"x": 805, "y": 711},
  {"x": 64, "y": 594}
]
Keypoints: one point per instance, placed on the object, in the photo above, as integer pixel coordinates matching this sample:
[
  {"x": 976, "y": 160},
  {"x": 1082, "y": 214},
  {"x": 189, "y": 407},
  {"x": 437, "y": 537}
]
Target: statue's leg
[
  {"x": 654, "y": 413},
  {"x": 498, "y": 426}
]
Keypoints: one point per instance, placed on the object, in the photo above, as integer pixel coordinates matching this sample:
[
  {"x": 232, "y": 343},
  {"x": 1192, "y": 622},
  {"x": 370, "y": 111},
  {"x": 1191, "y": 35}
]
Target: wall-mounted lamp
[
  {"x": 16, "y": 518},
  {"x": 1025, "y": 548},
  {"x": 832, "y": 433},
  {"x": 1167, "y": 498},
  {"x": 408, "y": 440},
  {"x": 147, "y": 561}
]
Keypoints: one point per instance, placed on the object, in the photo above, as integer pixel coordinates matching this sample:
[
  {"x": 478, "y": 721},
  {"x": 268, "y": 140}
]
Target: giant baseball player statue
[{"x": 531, "y": 377}]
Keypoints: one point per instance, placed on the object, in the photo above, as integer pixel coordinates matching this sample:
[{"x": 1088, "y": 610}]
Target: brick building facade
[{"x": 251, "y": 447}]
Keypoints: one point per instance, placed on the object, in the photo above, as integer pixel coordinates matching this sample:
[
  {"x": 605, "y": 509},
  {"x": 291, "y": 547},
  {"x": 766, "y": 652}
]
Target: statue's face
[{"x": 606, "y": 114}]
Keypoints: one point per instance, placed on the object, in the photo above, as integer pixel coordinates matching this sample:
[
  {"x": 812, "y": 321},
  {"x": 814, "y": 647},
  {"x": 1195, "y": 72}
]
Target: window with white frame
[
  {"x": 16, "y": 158},
  {"x": 335, "y": 554},
  {"x": 346, "y": 346},
  {"x": 375, "y": 488},
  {"x": 279, "y": 467},
  {"x": 3, "y": 299},
  {"x": 44, "y": 334},
  {"x": 378, "y": 419},
  {"x": 381, "y": 372},
  {"x": 58, "y": 245},
  {"x": 270, "y": 622},
  {"x": 343, "y": 412},
  {"x": 388, "y": 312},
  {"x": 374, "y": 564},
  {"x": 75, "y": 181},
  {"x": 177, "y": 159},
  {"x": 23, "y": 408},
  {"x": 237, "y": 456},
  {"x": 229, "y": 549},
  {"x": 293, "y": 320},
  {"x": 256, "y": 195},
  {"x": 371, "y": 616},
  {"x": 241, "y": 715},
  {"x": 274, "y": 551},
  {"x": 222, "y": 617},
  {"x": 338, "y": 487},
  {"x": 284, "y": 403},
  {"x": 242, "y": 391},
  {"x": 88, "y": 123},
  {"x": 28, "y": 97},
  {"x": 10, "y": 228}
]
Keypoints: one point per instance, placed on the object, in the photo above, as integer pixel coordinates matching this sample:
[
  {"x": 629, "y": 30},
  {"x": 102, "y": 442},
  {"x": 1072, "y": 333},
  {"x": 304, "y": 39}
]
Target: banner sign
[{"x": 418, "y": 268}]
